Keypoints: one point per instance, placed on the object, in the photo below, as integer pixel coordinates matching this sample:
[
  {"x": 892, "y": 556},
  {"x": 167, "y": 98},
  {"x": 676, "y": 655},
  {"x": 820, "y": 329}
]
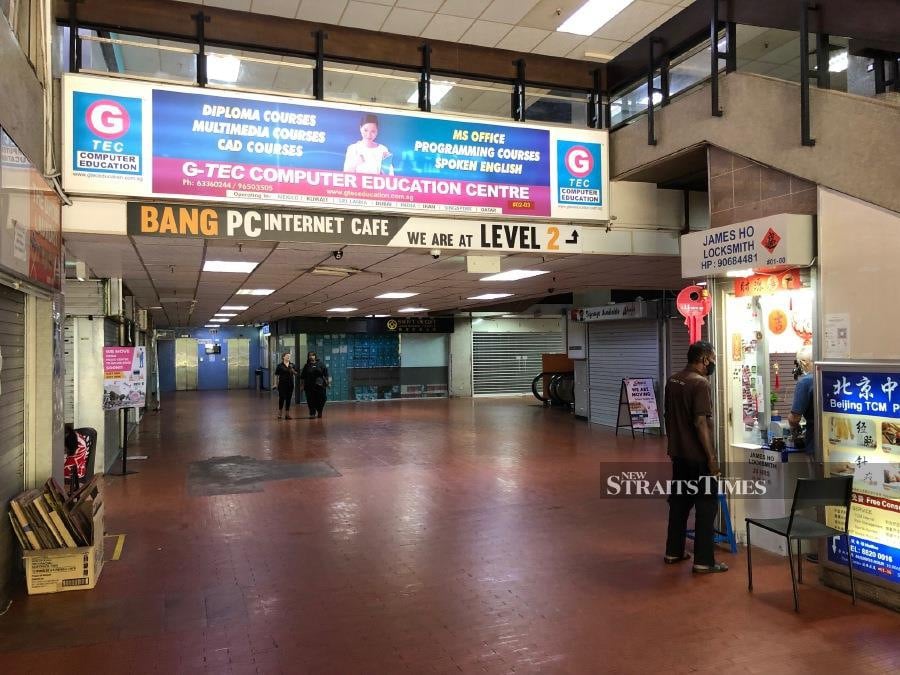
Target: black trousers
[
  {"x": 284, "y": 398},
  {"x": 705, "y": 504},
  {"x": 315, "y": 399}
]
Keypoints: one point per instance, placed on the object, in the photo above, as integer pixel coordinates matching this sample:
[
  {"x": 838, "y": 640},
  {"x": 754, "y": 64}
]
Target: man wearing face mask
[{"x": 688, "y": 414}]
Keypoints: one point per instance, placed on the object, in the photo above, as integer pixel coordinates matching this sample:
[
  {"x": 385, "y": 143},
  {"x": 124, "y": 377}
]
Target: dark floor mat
[{"x": 238, "y": 474}]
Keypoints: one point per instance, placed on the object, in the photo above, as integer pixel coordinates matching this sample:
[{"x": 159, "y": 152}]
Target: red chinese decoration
[{"x": 694, "y": 303}]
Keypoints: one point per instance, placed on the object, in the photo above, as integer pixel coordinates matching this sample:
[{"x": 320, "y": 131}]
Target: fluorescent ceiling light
[
  {"x": 739, "y": 274},
  {"x": 377, "y": 316},
  {"x": 514, "y": 275},
  {"x": 155, "y": 307},
  {"x": 211, "y": 325},
  {"x": 395, "y": 296},
  {"x": 237, "y": 308},
  {"x": 219, "y": 320},
  {"x": 593, "y": 14},
  {"x": 407, "y": 310},
  {"x": 342, "y": 309},
  {"x": 438, "y": 91},
  {"x": 330, "y": 271},
  {"x": 489, "y": 296},
  {"x": 229, "y": 266},
  {"x": 223, "y": 67},
  {"x": 255, "y": 291},
  {"x": 224, "y": 314},
  {"x": 839, "y": 62}
]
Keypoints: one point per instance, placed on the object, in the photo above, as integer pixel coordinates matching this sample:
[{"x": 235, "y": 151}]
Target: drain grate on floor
[{"x": 238, "y": 474}]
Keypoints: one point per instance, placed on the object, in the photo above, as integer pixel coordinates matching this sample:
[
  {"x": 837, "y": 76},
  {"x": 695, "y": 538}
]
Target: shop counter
[{"x": 780, "y": 470}]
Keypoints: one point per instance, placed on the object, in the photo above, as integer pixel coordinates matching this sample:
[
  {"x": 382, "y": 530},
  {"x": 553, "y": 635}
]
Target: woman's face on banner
[{"x": 369, "y": 131}]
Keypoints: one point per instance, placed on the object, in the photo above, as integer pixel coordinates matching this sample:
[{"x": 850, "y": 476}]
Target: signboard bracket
[{"x": 624, "y": 412}]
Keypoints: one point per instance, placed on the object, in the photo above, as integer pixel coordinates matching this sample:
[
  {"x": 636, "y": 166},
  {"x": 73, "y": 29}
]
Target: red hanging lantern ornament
[{"x": 694, "y": 304}]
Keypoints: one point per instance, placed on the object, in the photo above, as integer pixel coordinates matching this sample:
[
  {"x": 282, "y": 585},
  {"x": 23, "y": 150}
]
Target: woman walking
[
  {"x": 315, "y": 380},
  {"x": 285, "y": 374}
]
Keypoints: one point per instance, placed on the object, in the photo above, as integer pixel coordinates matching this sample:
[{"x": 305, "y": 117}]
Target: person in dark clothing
[
  {"x": 688, "y": 412},
  {"x": 285, "y": 374},
  {"x": 803, "y": 406},
  {"x": 315, "y": 381}
]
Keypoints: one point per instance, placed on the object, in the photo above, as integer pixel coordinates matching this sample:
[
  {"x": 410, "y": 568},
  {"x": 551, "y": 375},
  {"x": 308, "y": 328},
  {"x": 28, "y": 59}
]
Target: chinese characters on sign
[{"x": 861, "y": 438}]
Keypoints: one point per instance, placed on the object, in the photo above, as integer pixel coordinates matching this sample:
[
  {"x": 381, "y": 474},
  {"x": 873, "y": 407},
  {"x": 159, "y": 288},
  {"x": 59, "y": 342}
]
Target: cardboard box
[{"x": 66, "y": 569}]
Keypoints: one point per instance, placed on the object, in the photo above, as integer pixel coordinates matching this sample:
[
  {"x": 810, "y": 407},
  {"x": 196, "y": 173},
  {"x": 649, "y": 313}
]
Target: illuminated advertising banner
[
  {"x": 143, "y": 140},
  {"x": 860, "y": 433}
]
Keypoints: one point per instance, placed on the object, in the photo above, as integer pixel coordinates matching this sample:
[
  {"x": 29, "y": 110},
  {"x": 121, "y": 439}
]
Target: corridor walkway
[{"x": 417, "y": 537}]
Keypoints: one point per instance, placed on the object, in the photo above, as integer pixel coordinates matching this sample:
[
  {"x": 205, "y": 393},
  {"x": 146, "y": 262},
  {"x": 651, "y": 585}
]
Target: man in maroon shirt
[{"x": 695, "y": 469}]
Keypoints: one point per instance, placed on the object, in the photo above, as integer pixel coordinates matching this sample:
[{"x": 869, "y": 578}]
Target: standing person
[
  {"x": 285, "y": 374},
  {"x": 804, "y": 407},
  {"x": 315, "y": 381},
  {"x": 804, "y": 404},
  {"x": 367, "y": 155},
  {"x": 688, "y": 413}
]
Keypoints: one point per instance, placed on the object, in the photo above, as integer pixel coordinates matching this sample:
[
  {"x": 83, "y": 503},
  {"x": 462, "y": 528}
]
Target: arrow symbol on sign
[{"x": 574, "y": 238}]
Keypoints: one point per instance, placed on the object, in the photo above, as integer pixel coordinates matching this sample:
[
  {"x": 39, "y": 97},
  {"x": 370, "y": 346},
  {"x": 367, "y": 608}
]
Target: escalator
[{"x": 560, "y": 388}]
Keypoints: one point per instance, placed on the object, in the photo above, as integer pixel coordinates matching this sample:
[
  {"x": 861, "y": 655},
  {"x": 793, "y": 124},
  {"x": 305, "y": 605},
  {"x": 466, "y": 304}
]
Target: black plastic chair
[{"x": 810, "y": 493}]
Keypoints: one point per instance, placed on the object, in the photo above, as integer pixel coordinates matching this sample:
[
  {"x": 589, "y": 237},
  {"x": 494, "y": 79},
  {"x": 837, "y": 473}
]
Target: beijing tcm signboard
[{"x": 142, "y": 140}]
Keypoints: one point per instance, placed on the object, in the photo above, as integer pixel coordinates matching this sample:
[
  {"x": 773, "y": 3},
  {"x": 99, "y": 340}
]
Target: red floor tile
[{"x": 461, "y": 537}]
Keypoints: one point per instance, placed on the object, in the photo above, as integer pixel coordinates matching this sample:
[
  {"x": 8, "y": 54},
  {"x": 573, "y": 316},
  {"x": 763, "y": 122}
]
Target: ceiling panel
[{"x": 443, "y": 284}]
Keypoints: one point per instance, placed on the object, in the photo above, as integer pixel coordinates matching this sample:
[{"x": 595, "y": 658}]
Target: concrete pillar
[{"x": 461, "y": 358}]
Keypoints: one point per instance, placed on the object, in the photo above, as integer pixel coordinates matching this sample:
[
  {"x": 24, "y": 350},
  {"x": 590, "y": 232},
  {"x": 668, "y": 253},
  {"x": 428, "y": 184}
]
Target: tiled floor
[{"x": 460, "y": 537}]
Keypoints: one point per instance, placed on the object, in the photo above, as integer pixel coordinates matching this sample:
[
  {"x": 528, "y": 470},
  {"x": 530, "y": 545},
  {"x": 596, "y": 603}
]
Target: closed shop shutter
[
  {"x": 111, "y": 417},
  {"x": 12, "y": 419},
  {"x": 679, "y": 341},
  {"x": 85, "y": 298},
  {"x": 69, "y": 343},
  {"x": 616, "y": 350},
  {"x": 506, "y": 363}
]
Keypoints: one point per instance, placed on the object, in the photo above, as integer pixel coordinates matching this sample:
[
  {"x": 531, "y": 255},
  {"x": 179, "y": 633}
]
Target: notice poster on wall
[
  {"x": 124, "y": 377},
  {"x": 641, "y": 398},
  {"x": 860, "y": 411},
  {"x": 146, "y": 140}
]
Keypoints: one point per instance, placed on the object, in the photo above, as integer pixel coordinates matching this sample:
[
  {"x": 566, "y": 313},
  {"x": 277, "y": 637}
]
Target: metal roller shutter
[
  {"x": 12, "y": 418},
  {"x": 616, "y": 350},
  {"x": 85, "y": 298},
  {"x": 111, "y": 417},
  {"x": 506, "y": 363},
  {"x": 679, "y": 341},
  {"x": 69, "y": 332}
]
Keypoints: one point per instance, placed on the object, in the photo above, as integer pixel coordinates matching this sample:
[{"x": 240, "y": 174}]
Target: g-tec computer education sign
[{"x": 144, "y": 140}]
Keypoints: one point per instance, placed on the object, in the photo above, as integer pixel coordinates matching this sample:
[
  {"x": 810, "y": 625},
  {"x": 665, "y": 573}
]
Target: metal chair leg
[
  {"x": 850, "y": 569},
  {"x": 749, "y": 562},
  {"x": 793, "y": 576},
  {"x": 799, "y": 561}
]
